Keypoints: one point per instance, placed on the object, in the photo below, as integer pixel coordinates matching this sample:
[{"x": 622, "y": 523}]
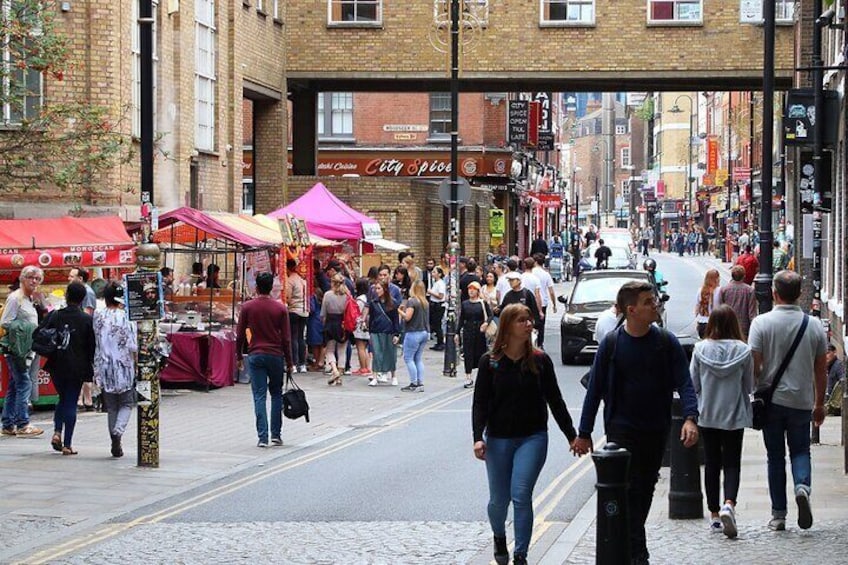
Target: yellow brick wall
[{"x": 514, "y": 45}]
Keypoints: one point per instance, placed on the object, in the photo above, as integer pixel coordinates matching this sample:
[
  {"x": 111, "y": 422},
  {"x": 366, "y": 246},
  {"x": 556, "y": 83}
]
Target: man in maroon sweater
[
  {"x": 740, "y": 297},
  {"x": 269, "y": 347}
]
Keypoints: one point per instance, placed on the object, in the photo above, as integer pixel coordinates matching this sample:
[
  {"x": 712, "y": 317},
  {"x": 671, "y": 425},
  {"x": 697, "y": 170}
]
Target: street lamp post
[
  {"x": 763, "y": 280},
  {"x": 675, "y": 109}
]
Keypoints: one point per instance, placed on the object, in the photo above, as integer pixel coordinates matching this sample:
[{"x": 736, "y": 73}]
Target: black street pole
[
  {"x": 729, "y": 168},
  {"x": 690, "y": 213},
  {"x": 453, "y": 223},
  {"x": 145, "y": 40},
  {"x": 818, "y": 149},
  {"x": 751, "y": 154},
  {"x": 762, "y": 282}
]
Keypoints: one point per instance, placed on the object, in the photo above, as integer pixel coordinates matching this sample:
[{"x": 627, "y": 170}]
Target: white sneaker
[
  {"x": 727, "y": 515},
  {"x": 382, "y": 377},
  {"x": 372, "y": 382},
  {"x": 777, "y": 524},
  {"x": 394, "y": 381},
  {"x": 715, "y": 525},
  {"x": 301, "y": 369}
]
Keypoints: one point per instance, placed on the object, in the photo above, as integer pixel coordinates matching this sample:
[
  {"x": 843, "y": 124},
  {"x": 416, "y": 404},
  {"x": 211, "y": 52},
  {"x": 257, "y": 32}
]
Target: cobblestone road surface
[{"x": 314, "y": 543}]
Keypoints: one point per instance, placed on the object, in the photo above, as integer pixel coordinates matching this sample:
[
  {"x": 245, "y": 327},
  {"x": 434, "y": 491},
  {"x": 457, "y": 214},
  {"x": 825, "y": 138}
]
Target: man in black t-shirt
[
  {"x": 519, "y": 295},
  {"x": 467, "y": 276},
  {"x": 602, "y": 255}
]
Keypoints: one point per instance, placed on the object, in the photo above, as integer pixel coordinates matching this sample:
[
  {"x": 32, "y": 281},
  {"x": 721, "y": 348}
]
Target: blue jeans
[
  {"x": 65, "y": 416},
  {"x": 413, "y": 350},
  {"x": 266, "y": 375},
  {"x": 786, "y": 426},
  {"x": 15, "y": 404},
  {"x": 513, "y": 465}
]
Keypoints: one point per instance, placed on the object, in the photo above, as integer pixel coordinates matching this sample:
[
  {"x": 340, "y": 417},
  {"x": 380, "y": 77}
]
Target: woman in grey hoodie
[{"x": 723, "y": 375}]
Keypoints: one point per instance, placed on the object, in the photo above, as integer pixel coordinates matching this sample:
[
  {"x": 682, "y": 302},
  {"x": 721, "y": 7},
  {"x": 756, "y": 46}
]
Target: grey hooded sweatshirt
[{"x": 723, "y": 376}]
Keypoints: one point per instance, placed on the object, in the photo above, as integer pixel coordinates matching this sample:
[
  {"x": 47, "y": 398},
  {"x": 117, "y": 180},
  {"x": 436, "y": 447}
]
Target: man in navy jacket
[{"x": 635, "y": 372}]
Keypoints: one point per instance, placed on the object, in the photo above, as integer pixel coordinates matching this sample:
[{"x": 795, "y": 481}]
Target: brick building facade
[{"x": 244, "y": 57}]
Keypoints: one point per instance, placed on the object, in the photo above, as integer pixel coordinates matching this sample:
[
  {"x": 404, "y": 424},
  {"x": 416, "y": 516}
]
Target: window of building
[
  {"x": 355, "y": 12},
  {"x": 136, "y": 66},
  {"x": 567, "y": 12},
  {"x": 260, "y": 6},
  {"x": 204, "y": 75},
  {"x": 625, "y": 157},
  {"x": 620, "y": 129},
  {"x": 275, "y": 9},
  {"x": 440, "y": 114},
  {"x": 784, "y": 11},
  {"x": 22, "y": 88},
  {"x": 675, "y": 11},
  {"x": 625, "y": 188},
  {"x": 479, "y": 9},
  {"x": 335, "y": 114}
]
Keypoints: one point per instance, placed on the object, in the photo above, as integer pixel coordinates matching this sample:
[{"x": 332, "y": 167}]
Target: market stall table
[{"x": 206, "y": 358}]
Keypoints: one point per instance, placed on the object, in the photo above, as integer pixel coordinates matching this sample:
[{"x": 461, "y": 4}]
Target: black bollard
[
  {"x": 684, "y": 495},
  {"x": 612, "y": 544}
]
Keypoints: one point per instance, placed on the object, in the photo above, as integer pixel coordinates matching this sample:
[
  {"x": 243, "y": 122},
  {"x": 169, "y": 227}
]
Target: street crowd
[{"x": 781, "y": 355}]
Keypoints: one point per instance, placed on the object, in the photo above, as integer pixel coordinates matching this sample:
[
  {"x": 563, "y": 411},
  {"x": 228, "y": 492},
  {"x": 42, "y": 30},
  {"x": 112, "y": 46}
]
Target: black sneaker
[
  {"x": 501, "y": 551},
  {"x": 410, "y": 388},
  {"x": 519, "y": 560}
]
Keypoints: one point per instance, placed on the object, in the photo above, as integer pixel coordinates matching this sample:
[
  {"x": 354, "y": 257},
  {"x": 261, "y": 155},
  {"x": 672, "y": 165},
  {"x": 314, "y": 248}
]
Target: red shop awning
[{"x": 57, "y": 243}]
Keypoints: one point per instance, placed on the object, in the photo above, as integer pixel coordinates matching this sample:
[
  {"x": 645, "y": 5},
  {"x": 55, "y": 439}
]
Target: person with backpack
[
  {"x": 71, "y": 365},
  {"x": 636, "y": 369},
  {"x": 18, "y": 320},
  {"x": 332, "y": 315},
  {"x": 723, "y": 376}
]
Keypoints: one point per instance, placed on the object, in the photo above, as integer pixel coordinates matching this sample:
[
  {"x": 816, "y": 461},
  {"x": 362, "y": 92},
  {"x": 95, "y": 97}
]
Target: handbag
[
  {"x": 762, "y": 398},
  {"x": 294, "y": 400},
  {"x": 490, "y": 326}
]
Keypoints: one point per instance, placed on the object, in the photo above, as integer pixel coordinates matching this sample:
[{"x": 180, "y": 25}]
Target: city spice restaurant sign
[{"x": 406, "y": 164}]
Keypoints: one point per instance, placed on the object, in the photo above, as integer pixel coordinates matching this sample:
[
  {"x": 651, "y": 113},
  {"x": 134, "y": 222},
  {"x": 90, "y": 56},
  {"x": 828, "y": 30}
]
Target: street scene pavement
[{"x": 378, "y": 476}]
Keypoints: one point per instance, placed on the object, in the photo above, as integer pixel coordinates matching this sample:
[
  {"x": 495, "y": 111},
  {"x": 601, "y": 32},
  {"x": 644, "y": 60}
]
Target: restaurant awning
[{"x": 57, "y": 243}]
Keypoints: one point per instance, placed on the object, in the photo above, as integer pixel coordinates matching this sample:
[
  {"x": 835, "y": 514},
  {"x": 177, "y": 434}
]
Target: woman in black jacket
[
  {"x": 516, "y": 384},
  {"x": 71, "y": 365}
]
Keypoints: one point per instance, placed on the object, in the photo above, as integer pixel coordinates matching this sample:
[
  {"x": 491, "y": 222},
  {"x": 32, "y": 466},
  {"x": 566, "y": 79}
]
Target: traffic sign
[{"x": 463, "y": 192}]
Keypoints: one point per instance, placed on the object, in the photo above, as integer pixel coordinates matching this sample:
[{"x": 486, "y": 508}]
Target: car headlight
[{"x": 572, "y": 320}]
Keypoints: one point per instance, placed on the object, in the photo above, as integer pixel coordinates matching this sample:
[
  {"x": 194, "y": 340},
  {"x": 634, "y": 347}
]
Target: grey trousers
[{"x": 118, "y": 408}]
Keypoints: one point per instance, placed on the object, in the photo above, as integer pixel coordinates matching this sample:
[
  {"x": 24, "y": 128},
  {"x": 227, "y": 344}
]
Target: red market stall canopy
[
  {"x": 62, "y": 243},
  {"x": 327, "y": 216}
]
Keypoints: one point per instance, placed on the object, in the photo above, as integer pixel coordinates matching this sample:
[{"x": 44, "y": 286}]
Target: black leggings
[
  {"x": 298, "y": 342},
  {"x": 722, "y": 452}
]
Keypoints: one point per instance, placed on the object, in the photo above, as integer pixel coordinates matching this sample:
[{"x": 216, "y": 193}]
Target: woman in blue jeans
[
  {"x": 416, "y": 333},
  {"x": 516, "y": 384}
]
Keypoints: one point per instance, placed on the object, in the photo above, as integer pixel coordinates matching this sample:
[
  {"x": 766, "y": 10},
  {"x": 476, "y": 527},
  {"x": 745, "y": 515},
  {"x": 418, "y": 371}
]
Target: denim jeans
[
  {"x": 65, "y": 416},
  {"x": 413, "y": 350},
  {"x": 786, "y": 426},
  {"x": 266, "y": 375},
  {"x": 512, "y": 466},
  {"x": 15, "y": 404}
]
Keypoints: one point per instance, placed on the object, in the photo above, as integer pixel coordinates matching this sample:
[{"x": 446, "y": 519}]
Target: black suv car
[{"x": 594, "y": 292}]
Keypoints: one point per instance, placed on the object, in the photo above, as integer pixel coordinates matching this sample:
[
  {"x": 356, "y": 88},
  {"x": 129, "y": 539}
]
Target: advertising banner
[
  {"x": 518, "y": 121},
  {"x": 712, "y": 155}
]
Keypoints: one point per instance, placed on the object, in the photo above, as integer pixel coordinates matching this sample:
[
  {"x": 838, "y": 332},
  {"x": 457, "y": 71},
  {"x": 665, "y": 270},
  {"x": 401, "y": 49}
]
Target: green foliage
[
  {"x": 49, "y": 143},
  {"x": 645, "y": 112}
]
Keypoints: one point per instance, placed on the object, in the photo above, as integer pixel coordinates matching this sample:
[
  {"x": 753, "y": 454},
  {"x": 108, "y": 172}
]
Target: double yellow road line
[{"x": 113, "y": 530}]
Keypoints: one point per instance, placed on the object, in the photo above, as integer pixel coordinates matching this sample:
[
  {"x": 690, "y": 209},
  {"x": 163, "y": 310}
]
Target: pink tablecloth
[{"x": 200, "y": 357}]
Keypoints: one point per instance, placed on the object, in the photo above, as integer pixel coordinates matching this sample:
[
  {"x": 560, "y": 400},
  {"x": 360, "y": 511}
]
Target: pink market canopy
[{"x": 327, "y": 216}]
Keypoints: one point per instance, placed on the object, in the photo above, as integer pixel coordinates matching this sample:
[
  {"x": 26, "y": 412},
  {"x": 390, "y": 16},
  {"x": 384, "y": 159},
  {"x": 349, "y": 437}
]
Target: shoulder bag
[
  {"x": 294, "y": 400},
  {"x": 490, "y": 326},
  {"x": 762, "y": 398}
]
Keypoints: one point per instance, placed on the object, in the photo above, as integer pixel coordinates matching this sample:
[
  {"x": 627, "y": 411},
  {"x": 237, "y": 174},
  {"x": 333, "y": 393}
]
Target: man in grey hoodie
[{"x": 723, "y": 376}]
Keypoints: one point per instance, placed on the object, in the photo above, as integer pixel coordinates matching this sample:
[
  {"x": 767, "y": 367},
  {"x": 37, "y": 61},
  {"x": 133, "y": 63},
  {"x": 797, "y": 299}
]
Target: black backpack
[{"x": 47, "y": 340}]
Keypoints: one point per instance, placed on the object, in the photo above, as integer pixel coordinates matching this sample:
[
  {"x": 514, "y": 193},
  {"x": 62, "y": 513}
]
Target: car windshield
[
  {"x": 600, "y": 289},
  {"x": 620, "y": 257}
]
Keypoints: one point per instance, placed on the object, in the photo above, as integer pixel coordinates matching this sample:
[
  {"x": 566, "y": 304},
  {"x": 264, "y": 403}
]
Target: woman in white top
[
  {"x": 706, "y": 300},
  {"x": 114, "y": 362},
  {"x": 436, "y": 296},
  {"x": 298, "y": 314}
]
